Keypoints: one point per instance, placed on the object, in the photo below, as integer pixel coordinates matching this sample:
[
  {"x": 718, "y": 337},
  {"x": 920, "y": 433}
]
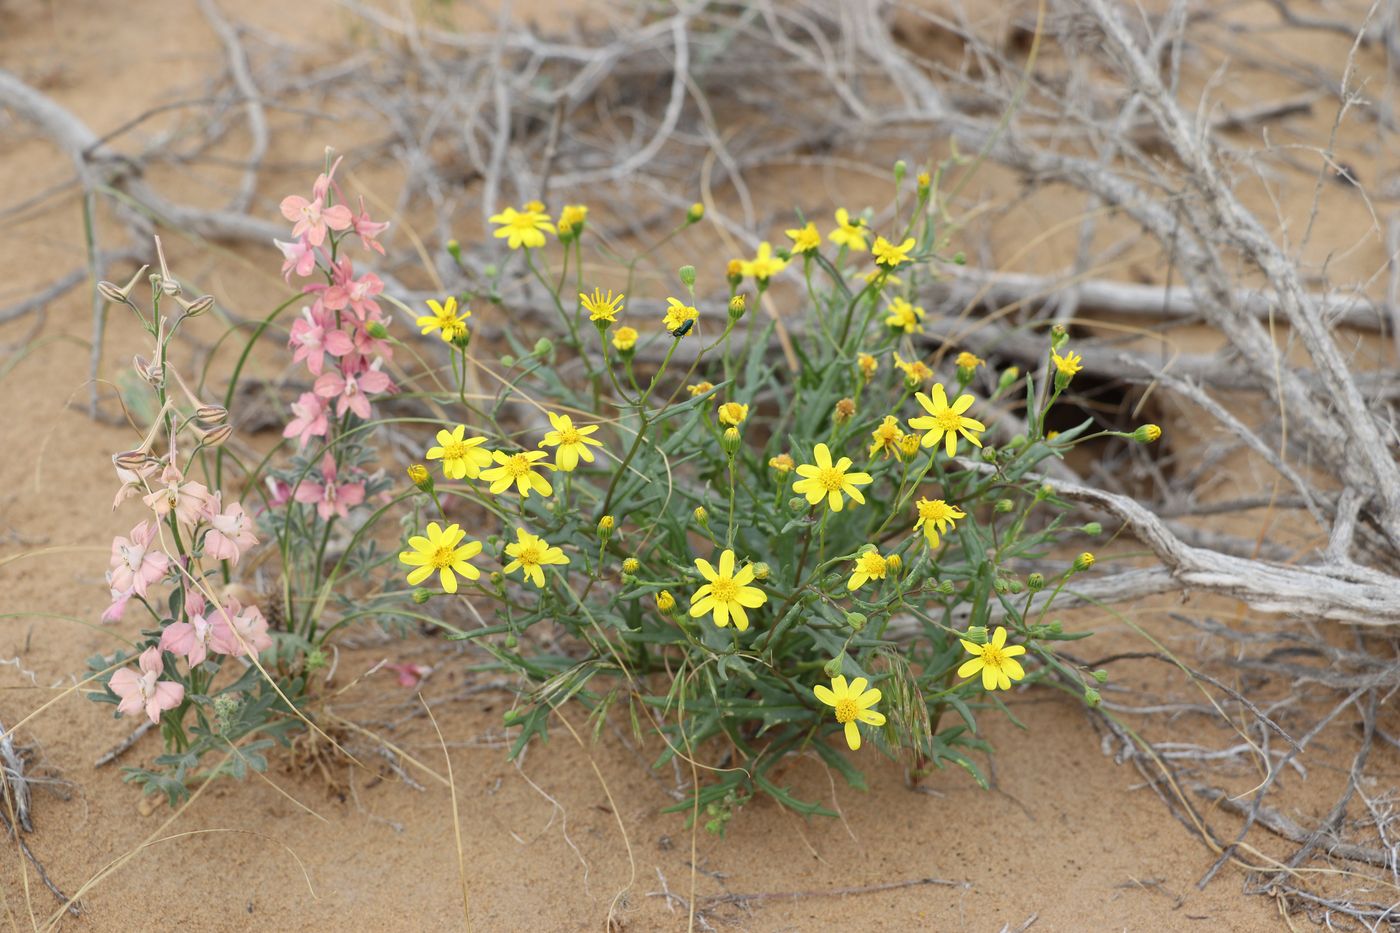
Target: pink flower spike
[
  {"x": 298, "y": 256},
  {"x": 314, "y": 335},
  {"x": 308, "y": 419},
  {"x": 368, "y": 230},
  {"x": 145, "y": 690},
  {"x": 135, "y": 563},
  {"x": 230, "y": 532}
]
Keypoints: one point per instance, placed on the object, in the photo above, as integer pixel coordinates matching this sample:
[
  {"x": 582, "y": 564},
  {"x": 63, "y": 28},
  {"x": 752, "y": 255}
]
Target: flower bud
[
  {"x": 737, "y": 306},
  {"x": 856, "y": 620},
  {"x": 782, "y": 463},
  {"x": 695, "y": 214},
  {"x": 1083, "y": 562},
  {"x": 899, "y": 170},
  {"x": 605, "y": 527},
  {"x": 507, "y": 360},
  {"x": 631, "y": 565},
  {"x": 1058, "y": 336},
  {"x": 377, "y": 330},
  {"x": 211, "y": 414},
  {"x": 702, "y": 517},
  {"x": 543, "y": 347},
  {"x": 977, "y": 634},
  {"x": 730, "y": 442},
  {"x": 894, "y": 563},
  {"x": 761, "y": 571},
  {"x": 1001, "y": 586},
  {"x": 1056, "y": 628},
  {"x": 511, "y": 641},
  {"x": 960, "y": 258},
  {"x": 131, "y": 460},
  {"x": 112, "y": 293},
  {"x": 797, "y": 503},
  {"x": 924, "y": 183},
  {"x": 1092, "y": 529},
  {"x": 420, "y": 477},
  {"x": 832, "y": 668},
  {"x": 1147, "y": 433},
  {"x": 215, "y": 437},
  {"x": 1035, "y": 582},
  {"x": 1003, "y": 506},
  {"x": 868, "y": 365},
  {"x": 421, "y": 595},
  {"x": 946, "y": 588},
  {"x": 197, "y": 307},
  {"x": 1008, "y": 376},
  {"x": 454, "y": 249},
  {"x": 989, "y": 454},
  {"x": 734, "y": 271},
  {"x": 1014, "y": 586},
  {"x": 845, "y": 411},
  {"x": 665, "y": 602},
  {"x": 497, "y": 578},
  {"x": 1091, "y": 696},
  {"x": 687, "y": 274},
  {"x": 1101, "y": 676}
]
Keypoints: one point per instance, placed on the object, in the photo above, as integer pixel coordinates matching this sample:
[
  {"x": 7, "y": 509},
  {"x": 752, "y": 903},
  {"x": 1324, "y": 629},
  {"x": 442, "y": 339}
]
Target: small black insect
[{"x": 683, "y": 329}]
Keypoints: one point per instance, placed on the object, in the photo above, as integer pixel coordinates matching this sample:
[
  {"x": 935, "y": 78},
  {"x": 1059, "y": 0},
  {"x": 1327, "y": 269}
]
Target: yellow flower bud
[
  {"x": 1084, "y": 561},
  {"x": 631, "y": 565},
  {"x": 732, "y": 413},
  {"x": 868, "y": 364},
  {"x": 420, "y": 477},
  {"x": 665, "y": 601},
  {"x": 783, "y": 463},
  {"x": 1147, "y": 433}
]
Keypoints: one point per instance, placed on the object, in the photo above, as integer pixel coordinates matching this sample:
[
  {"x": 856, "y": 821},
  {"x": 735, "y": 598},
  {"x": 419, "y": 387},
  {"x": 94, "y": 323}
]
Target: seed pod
[
  {"x": 211, "y": 414},
  {"x": 198, "y": 306},
  {"x": 216, "y": 437}
]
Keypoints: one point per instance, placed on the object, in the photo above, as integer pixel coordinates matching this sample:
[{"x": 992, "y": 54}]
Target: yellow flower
[
  {"x": 571, "y": 441},
  {"x": 726, "y": 594},
  {"x": 523, "y": 228},
  {"x": 631, "y": 565},
  {"x": 869, "y": 566},
  {"x": 936, "y": 517},
  {"x": 885, "y": 438},
  {"x": 825, "y": 480},
  {"x": 1083, "y": 561},
  {"x": 600, "y": 308},
  {"x": 1067, "y": 365},
  {"x": 995, "y": 660},
  {"x": 439, "y": 552},
  {"x": 571, "y": 218},
  {"x": 518, "y": 469},
  {"x": 946, "y": 421},
  {"x": 915, "y": 373},
  {"x": 536, "y": 207},
  {"x": 700, "y": 388},
  {"x": 887, "y": 254},
  {"x": 853, "y": 704},
  {"x": 418, "y": 475},
  {"x": 624, "y": 338},
  {"x": 679, "y": 317},
  {"x": 733, "y": 414},
  {"x": 444, "y": 319},
  {"x": 783, "y": 463},
  {"x": 665, "y": 601},
  {"x": 462, "y": 457},
  {"x": 734, "y": 270},
  {"x": 763, "y": 266},
  {"x": 969, "y": 361},
  {"x": 844, "y": 410},
  {"x": 531, "y": 553},
  {"x": 868, "y": 365},
  {"x": 806, "y": 239},
  {"x": 905, "y": 317},
  {"x": 908, "y": 446},
  {"x": 850, "y": 235}
]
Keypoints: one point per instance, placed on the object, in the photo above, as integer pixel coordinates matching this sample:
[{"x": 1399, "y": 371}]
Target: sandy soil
[{"x": 1068, "y": 839}]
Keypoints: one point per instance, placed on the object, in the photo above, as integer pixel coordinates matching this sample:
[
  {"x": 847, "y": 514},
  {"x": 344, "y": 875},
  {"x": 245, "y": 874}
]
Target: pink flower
[
  {"x": 230, "y": 531},
  {"x": 186, "y": 500},
  {"x": 367, "y": 229},
  {"x": 135, "y": 564},
  {"x": 298, "y": 256},
  {"x": 313, "y": 336},
  {"x": 311, "y": 218},
  {"x": 309, "y": 419},
  {"x": 410, "y": 674},
  {"x": 133, "y": 481},
  {"x": 356, "y": 294},
  {"x": 330, "y": 498},
  {"x": 322, "y": 187},
  {"x": 117, "y": 609},
  {"x": 236, "y": 629},
  {"x": 145, "y": 690},
  {"x": 191, "y": 640},
  {"x": 279, "y": 490},
  {"x": 350, "y": 391}
]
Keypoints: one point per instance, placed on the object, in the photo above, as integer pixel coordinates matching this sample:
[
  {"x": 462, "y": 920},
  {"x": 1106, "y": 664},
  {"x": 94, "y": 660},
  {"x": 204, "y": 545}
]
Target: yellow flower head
[
  {"x": 852, "y": 703},
  {"x": 734, "y": 270},
  {"x": 444, "y": 319},
  {"x": 418, "y": 475},
  {"x": 700, "y": 388},
  {"x": 885, "y": 438},
  {"x": 823, "y": 479},
  {"x": 572, "y": 442},
  {"x": 969, "y": 361},
  {"x": 462, "y": 457},
  {"x": 848, "y": 234},
  {"x": 889, "y": 255},
  {"x": 531, "y": 554},
  {"x": 600, "y": 308},
  {"x": 440, "y": 551},
  {"x": 571, "y": 219},
  {"x": 523, "y": 228},
  {"x": 936, "y": 517},
  {"x": 806, "y": 239},
  {"x": 904, "y": 316},
  {"x": 945, "y": 421},
  {"x": 996, "y": 661},
  {"x": 733, "y": 414},
  {"x": 624, "y": 338},
  {"x": 680, "y": 317},
  {"x": 783, "y": 463},
  {"x": 518, "y": 470},
  {"x": 869, "y": 566},
  {"x": 631, "y": 565},
  {"x": 764, "y": 265},
  {"x": 868, "y": 365},
  {"x": 1084, "y": 561},
  {"x": 908, "y": 446},
  {"x": 536, "y": 207},
  {"x": 726, "y": 594},
  {"x": 665, "y": 601},
  {"x": 1067, "y": 365},
  {"x": 844, "y": 410},
  {"x": 915, "y": 373}
]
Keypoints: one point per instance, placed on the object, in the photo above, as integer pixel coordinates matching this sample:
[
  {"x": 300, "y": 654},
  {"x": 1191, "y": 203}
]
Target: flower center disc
[
  {"x": 846, "y": 710},
  {"x": 442, "y": 557},
  {"x": 831, "y": 479},
  {"x": 949, "y": 420},
  {"x": 518, "y": 465},
  {"x": 724, "y": 589}
]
